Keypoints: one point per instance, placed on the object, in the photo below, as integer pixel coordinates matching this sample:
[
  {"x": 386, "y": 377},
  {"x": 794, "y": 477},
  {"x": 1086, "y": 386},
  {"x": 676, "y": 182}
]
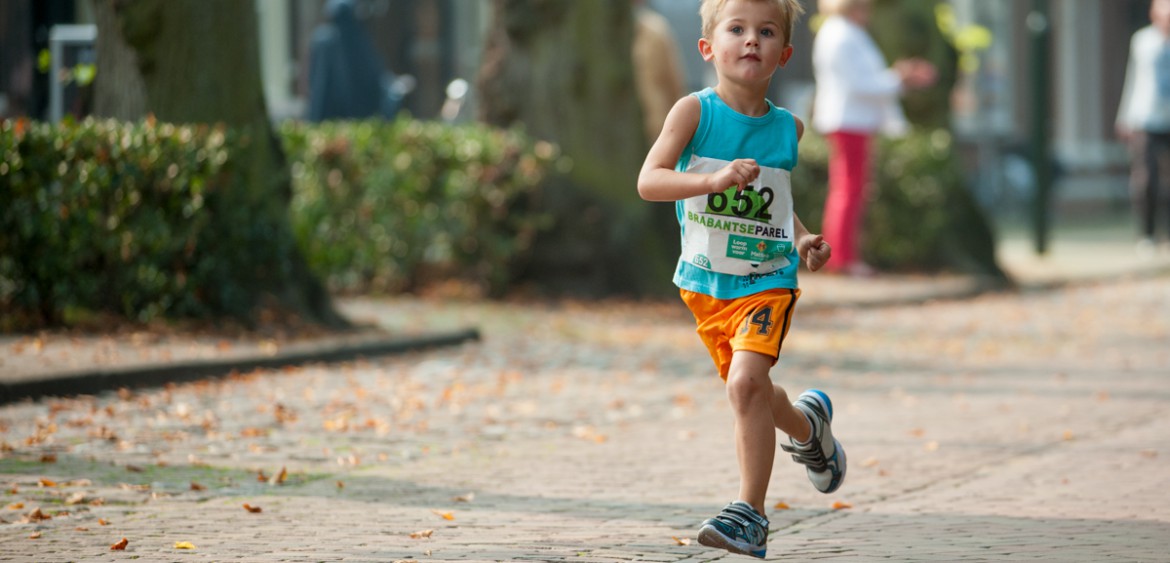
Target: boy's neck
[{"x": 748, "y": 100}]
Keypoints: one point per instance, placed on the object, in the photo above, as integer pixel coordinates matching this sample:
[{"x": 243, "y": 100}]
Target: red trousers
[{"x": 849, "y": 168}]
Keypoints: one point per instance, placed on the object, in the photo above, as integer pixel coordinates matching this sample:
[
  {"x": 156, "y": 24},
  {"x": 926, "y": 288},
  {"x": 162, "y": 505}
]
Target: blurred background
[{"x": 493, "y": 144}]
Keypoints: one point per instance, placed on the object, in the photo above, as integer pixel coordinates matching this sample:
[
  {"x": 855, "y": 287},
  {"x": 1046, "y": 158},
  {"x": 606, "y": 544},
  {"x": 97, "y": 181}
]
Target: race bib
[{"x": 740, "y": 232}]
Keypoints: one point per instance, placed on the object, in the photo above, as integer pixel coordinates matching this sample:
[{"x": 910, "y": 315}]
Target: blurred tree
[
  {"x": 563, "y": 70},
  {"x": 910, "y": 28},
  {"x": 198, "y": 61}
]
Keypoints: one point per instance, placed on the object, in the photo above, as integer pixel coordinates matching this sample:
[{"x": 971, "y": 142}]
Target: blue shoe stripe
[{"x": 824, "y": 399}]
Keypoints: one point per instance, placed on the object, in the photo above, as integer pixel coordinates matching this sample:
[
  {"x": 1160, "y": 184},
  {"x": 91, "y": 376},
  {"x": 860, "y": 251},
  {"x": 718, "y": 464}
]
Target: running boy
[{"x": 724, "y": 156}]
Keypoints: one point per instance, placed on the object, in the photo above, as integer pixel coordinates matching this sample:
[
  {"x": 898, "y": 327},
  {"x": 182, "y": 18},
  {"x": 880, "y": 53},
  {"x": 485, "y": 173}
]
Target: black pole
[{"x": 1040, "y": 29}]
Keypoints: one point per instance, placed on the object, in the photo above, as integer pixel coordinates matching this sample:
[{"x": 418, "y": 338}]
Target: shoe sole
[
  {"x": 711, "y": 537},
  {"x": 826, "y": 405}
]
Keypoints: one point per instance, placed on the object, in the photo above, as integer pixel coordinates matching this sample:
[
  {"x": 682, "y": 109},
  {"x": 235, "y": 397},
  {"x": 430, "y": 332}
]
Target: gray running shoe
[
  {"x": 738, "y": 529},
  {"x": 823, "y": 455}
]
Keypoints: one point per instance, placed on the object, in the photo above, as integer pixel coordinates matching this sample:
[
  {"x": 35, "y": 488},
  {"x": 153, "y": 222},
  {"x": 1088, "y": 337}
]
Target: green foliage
[
  {"x": 147, "y": 221},
  {"x": 391, "y": 206},
  {"x": 920, "y": 216},
  {"x": 137, "y": 220}
]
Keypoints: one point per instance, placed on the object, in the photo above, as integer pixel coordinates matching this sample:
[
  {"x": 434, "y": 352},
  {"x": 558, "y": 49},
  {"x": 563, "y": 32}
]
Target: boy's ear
[
  {"x": 705, "y": 49},
  {"x": 785, "y": 55}
]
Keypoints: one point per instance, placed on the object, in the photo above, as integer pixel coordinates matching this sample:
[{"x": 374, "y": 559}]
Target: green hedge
[
  {"x": 920, "y": 215},
  {"x": 139, "y": 220},
  {"x": 388, "y": 207}
]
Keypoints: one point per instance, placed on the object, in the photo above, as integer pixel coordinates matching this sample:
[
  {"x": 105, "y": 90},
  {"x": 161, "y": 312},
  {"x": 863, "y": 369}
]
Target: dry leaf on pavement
[
  {"x": 421, "y": 534},
  {"x": 252, "y": 509},
  {"x": 184, "y": 545},
  {"x": 34, "y": 535},
  {"x": 681, "y": 541},
  {"x": 464, "y": 498},
  {"x": 445, "y": 515},
  {"x": 841, "y": 505},
  {"x": 781, "y": 506},
  {"x": 197, "y": 487},
  {"x": 279, "y": 478},
  {"x": 120, "y": 546}
]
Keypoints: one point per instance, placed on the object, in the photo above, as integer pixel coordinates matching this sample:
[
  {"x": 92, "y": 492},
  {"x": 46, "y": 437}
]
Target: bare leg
[
  {"x": 750, "y": 391},
  {"x": 788, "y": 418}
]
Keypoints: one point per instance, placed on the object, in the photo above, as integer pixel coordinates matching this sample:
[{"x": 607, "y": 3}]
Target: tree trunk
[
  {"x": 563, "y": 69},
  {"x": 198, "y": 61}
]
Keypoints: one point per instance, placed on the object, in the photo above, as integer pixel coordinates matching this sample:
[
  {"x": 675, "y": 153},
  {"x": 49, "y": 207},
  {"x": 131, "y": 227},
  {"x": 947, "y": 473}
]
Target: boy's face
[{"x": 748, "y": 42}]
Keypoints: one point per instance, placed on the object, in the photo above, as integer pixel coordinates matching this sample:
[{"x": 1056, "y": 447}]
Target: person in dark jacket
[{"x": 346, "y": 75}]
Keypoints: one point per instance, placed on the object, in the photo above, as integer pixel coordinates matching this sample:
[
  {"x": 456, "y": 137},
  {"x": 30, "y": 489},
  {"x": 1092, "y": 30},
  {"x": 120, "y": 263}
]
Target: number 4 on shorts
[{"x": 763, "y": 320}]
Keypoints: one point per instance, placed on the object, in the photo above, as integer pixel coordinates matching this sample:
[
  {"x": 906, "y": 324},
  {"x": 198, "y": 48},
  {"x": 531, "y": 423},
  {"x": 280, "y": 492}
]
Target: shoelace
[{"x": 813, "y": 456}]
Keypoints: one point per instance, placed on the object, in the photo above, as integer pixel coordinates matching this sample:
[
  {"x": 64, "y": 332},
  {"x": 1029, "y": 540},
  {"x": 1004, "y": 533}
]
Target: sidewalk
[
  {"x": 32, "y": 366},
  {"x": 1010, "y": 426}
]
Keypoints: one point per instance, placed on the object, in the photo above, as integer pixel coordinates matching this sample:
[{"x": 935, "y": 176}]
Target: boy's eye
[
  {"x": 767, "y": 33},
  {"x": 736, "y": 29}
]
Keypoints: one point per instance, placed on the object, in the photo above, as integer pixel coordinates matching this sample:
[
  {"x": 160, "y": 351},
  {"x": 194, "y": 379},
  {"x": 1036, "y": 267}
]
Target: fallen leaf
[
  {"x": 36, "y": 515},
  {"x": 34, "y": 535},
  {"x": 184, "y": 545},
  {"x": 1068, "y": 436},
  {"x": 464, "y": 498},
  {"x": 781, "y": 506},
  {"x": 81, "y": 529},
  {"x": 918, "y": 432},
  {"x": 340, "y": 484},
  {"x": 252, "y": 509},
  {"x": 841, "y": 505},
  {"x": 75, "y": 498},
  {"x": 870, "y": 462},
  {"x": 134, "y": 469},
  {"x": 103, "y": 522},
  {"x": 445, "y": 515},
  {"x": 120, "y": 546},
  {"x": 681, "y": 541},
  {"x": 422, "y": 534},
  {"x": 16, "y": 506},
  {"x": 931, "y": 446},
  {"x": 47, "y": 482},
  {"x": 261, "y": 477},
  {"x": 1149, "y": 454},
  {"x": 197, "y": 487},
  {"x": 406, "y": 561},
  {"x": 49, "y": 458},
  {"x": 279, "y": 478}
]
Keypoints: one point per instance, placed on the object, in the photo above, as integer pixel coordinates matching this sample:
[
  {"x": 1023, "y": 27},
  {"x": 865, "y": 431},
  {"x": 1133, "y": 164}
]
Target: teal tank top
[{"x": 739, "y": 243}]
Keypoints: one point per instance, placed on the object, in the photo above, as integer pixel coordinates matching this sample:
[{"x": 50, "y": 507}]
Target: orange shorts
[{"x": 757, "y": 323}]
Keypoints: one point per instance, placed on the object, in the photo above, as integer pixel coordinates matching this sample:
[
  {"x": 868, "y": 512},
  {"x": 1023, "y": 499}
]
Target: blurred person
[
  {"x": 658, "y": 72},
  {"x": 857, "y": 96},
  {"x": 1143, "y": 119},
  {"x": 724, "y": 157},
  {"x": 346, "y": 76}
]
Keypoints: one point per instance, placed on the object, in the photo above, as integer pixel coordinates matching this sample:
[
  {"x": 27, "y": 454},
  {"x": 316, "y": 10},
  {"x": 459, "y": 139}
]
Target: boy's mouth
[{"x": 751, "y": 57}]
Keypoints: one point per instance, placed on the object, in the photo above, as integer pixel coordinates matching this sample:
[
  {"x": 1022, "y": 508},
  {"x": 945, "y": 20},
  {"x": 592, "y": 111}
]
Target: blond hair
[
  {"x": 790, "y": 10},
  {"x": 838, "y": 7}
]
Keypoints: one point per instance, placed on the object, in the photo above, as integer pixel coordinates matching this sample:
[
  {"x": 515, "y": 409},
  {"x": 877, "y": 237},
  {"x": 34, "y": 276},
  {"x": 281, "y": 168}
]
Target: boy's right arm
[{"x": 659, "y": 181}]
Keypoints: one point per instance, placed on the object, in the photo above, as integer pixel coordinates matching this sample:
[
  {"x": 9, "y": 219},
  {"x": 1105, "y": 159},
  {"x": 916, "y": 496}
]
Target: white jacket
[
  {"x": 855, "y": 88},
  {"x": 1145, "y": 105}
]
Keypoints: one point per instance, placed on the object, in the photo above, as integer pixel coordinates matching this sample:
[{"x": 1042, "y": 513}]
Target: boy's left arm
[{"x": 812, "y": 248}]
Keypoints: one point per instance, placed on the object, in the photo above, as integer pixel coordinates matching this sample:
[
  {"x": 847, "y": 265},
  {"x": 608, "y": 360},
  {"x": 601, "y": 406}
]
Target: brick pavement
[{"x": 1007, "y": 427}]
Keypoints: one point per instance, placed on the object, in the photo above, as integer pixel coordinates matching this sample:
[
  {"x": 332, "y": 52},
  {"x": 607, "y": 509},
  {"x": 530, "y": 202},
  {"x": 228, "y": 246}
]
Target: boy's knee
[{"x": 744, "y": 387}]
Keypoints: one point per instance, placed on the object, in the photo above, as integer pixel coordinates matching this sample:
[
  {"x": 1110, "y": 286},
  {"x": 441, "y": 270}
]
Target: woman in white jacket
[
  {"x": 1144, "y": 118},
  {"x": 856, "y": 97}
]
